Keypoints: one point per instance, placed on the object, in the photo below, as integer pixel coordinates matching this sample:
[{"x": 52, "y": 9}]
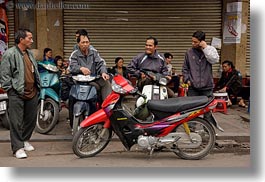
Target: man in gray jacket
[
  {"x": 20, "y": 78},
  {"x": 197, "y": 67},
  {"x": 87, "y": 61}
]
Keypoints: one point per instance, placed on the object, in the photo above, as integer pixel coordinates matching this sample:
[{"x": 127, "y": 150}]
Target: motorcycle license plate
[
  {"x": 83, "y": 88},
  {"x": 3, "y": 106}
]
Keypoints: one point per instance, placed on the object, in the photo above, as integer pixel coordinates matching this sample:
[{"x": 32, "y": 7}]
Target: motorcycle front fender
[
  {"x": 97, "y": 117},
  {"x": 50, "y": 93},
  {"x": 79, "y": 108}
]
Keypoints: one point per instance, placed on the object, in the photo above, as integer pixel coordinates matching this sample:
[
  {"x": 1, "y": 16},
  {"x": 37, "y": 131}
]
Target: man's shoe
[
  {"x": 21, "y": 154},
  {"x": 28, "y": 146}
]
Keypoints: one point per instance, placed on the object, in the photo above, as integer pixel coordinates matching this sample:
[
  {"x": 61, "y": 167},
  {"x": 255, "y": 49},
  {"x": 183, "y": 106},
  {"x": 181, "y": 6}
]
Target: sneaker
[
  {"x": 28, "y": 146},
  {"x": 21, "y": 154}
]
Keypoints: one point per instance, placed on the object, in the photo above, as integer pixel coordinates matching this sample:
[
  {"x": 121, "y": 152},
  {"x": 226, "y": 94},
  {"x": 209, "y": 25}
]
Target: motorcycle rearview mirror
[{"x": 163, "y": 81}]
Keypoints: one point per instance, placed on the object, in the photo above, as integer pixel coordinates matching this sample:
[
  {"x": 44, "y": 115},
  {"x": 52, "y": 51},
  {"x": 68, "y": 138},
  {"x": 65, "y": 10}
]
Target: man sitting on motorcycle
[
  {"x": 149, "y": 60},
  {"x": 87, "y": 61}
]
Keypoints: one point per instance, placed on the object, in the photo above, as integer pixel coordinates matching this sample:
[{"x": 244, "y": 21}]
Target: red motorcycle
[
  {"x": 4, "y": 118},
  {"x": 174, "y": 124}
]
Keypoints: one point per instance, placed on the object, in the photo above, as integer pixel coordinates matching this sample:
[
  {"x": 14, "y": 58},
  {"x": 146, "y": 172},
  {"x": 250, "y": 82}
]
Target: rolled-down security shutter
[
  {"x": 11, "y": 26},
  {"x": 119, "y": 28}
]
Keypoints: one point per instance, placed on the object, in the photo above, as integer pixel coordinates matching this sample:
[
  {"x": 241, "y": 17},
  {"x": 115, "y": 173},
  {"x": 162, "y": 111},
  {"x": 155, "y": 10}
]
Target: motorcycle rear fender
[
  {"x": 97, "y": 117},
  {"x": 50, "y": 93},
  {"x": 213, "y": 121}
]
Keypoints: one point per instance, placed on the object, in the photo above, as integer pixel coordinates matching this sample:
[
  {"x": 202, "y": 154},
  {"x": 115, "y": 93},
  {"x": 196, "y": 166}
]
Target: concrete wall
[
  {"x": 236, "y": 52},
  {"x": 49, "y": 28}
]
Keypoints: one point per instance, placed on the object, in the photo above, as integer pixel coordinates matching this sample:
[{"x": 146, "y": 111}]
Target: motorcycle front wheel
[
  {"x": 199, "y": 143},
  {"x": 50, "y": 116},
  {"x": 88, "y": 142}
]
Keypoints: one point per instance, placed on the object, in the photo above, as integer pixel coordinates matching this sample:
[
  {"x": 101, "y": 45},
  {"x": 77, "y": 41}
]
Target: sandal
[
  {"x": 229, "y": 103},
  {"x": 242, "y": 105}
]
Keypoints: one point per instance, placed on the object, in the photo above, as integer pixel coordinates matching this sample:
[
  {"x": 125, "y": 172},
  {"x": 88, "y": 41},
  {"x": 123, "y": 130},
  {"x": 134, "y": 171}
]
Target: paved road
[{"x": 59, "y": 154}]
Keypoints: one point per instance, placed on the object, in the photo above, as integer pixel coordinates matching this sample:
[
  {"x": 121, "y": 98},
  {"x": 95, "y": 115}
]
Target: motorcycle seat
[{"x": 173, "y": 105}]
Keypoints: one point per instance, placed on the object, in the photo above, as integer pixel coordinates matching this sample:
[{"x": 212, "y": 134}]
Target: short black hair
[
  {"x": 21, "y": 33},
  {"x": 81, "y": 31},
  {"x": 57, "y": 58},
  {"x": 117, "y": 59},
  {"x": 47, "y": 49},
  {"x": 168, "y": 54},
  {"x": 153, "y": 38},
  {"x": 200, "y": 35},
  {"x": 229, "y": 63}
]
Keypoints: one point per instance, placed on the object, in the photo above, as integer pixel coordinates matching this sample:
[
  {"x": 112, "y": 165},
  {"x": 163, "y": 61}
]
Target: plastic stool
[{"x": 221, "y": 109}]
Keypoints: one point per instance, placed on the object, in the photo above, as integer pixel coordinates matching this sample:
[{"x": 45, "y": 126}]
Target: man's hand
[
  {"x": 168, "y": 77},
  {"x": 85, "y": 71},
  {"x": 222, "y": 90},
  {"x": 143, "y": 75},
  {"x": 105, "y": 76},
  {"x": 203, "y": 44}
]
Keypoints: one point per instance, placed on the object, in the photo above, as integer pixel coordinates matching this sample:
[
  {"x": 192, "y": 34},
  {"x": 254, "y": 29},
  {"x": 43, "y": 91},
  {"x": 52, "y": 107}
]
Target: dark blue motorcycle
[{"x": 85, "y": 99}]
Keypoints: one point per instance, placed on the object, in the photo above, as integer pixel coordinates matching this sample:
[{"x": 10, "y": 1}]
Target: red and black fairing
[{"x": 128, "y": 128}]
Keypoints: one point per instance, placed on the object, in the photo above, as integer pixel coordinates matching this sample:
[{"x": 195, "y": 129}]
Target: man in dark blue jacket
[{"x": 151, "y": 60}]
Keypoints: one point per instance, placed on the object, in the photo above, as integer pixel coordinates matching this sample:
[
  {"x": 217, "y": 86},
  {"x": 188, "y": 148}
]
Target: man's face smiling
[{"x": 150, "y": 47}]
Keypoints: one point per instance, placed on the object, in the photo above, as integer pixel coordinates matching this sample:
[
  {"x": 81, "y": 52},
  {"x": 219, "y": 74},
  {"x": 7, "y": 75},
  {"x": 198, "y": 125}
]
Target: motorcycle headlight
[
  {"x": 163, "y": 81},
  {"x": 117, "y": 88},
  {"x": 84, "y": 78}
]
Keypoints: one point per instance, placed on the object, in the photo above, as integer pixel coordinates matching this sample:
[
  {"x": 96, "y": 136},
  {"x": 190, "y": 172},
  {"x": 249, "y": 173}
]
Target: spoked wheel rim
[
  {"x": 203, "y": 140},
  {"x": 87, "y": 142},
  {"x": 49, "y": 118}
]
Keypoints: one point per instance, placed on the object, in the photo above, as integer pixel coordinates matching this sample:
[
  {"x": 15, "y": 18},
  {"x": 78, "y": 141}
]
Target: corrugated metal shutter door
[
  {"x": 119, "y": 28},
  {"x": 11, "y": 26},
  {"x": 10, "y": 12}
]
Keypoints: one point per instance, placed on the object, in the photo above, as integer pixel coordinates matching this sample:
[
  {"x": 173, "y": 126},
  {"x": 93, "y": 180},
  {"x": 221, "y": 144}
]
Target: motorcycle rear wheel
[
  {"x": 205, "y": 134},
  {"x": 50, "y": 118},
  {"x": 87, "y": 142}
]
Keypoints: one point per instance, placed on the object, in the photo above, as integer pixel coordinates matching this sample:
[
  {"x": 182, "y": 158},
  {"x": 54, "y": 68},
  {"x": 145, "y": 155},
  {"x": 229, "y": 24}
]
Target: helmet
[{"x": 141, "y": 112}]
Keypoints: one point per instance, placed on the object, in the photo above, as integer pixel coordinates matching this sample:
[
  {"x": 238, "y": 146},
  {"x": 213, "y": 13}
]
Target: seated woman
[
  {"x": 65, "y": 78},
  {"x": 119, "y": 68},
  {"x": 230, "y": 82},
  {"x": 47, "y": 58},
  {"x": 60, "y": 65}
]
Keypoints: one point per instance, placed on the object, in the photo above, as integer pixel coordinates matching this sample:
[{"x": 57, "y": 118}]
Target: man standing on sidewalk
[
  {"x": 19, "y": 76},
  {"x": 197, "y": 68}
]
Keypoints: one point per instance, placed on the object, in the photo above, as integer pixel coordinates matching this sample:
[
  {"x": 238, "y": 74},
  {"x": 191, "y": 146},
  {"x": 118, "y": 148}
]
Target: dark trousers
[
  {"x": 175, "y": 81},
  {"x": 22, "y": 115},
  {"x": 197, "y": 92}
]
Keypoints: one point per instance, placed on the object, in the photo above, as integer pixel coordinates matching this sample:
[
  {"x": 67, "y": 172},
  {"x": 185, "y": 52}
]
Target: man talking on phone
[{"x": 197, "y": 67}]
